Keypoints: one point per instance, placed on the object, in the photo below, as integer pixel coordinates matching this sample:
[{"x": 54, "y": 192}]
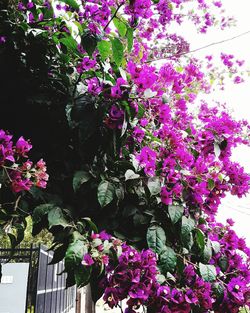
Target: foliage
[
  {"x": 126, "y": 150},
  {"x": 44, "y": 237}
]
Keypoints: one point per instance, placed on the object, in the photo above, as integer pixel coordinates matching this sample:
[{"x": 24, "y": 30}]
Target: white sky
[{"x": 237, "y": 97}]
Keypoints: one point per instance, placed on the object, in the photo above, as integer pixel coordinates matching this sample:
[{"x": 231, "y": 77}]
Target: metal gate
[{"x": 46, "y": 288}]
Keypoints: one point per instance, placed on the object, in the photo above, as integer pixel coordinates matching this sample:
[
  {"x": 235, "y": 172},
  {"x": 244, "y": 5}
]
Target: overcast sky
[{"x": 237, "y": 97}]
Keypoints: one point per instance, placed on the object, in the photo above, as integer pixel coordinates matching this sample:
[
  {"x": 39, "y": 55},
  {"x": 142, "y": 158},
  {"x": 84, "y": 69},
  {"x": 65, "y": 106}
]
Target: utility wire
[{"x": 201, "y": 48}]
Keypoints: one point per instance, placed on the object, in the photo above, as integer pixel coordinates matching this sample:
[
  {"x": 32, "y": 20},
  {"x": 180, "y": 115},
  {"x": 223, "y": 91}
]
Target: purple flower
[
  {"x": 190, "y": 297},
  {"x": 30, "y": 5},
  {"x": 85, "y": 65},
  {"x": 94, "y": 86},
  {"x": 166, "y": 196},
  {"x": 236, "y": 288},
  {"x": 2, "y": 39},
  {"x": 31, "y": 18},
  {"x": 23, "y": 146},
  {"x": 177, "y": 296},
  {"x": 115, "y": 118},
  {"x": 21, "y": 6},
  {"x": 87, "y": 260},
  {"x": 104, "y": 236}
]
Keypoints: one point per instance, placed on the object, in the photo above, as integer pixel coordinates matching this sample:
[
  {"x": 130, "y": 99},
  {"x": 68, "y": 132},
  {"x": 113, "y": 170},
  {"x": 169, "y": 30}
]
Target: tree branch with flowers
[{"x": 138, "y": 164}]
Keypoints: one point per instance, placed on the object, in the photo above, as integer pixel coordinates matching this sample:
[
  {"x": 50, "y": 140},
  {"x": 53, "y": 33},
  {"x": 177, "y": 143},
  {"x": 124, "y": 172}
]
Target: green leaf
[
  {"x": 92, "y": 225},
  {"x": 130, "y": 38},
  {"x": 120, "y": 26},
  {"x": 180, "y": 266},
  {"x": 89, "y": 43},
  {"x": 186, "y": 232},
  {"x": 71, "y": 3},
  {"x": 207, "y": 253},
  {"x": 105, "y": 193},
  {"x": 218, "y": 289},
  {"x": 129, "y": 174},
  {"x": 217, "y": 150},
  {"x": 175, "y": 212},
  {"x": 160, "y": 278},
  {"x": 140, "y": 219},
  {"x": 13, "y": 241},
  {"x": 208, "y": 272},
  {"x": 154, "y": 185},
  {"x": 20, "y": 228},
  {"x": 104, "y": 48},
  {"x": 211, "y": 184},
  {"x": 200, "y": 239},
  {"x": 156, "y": 238},
  {"x": 167, "y": 261},
  {"x": 40, "y": 211},
  {"x": 59, "y": 254},
  {"x": 69, "y": 42},
  {"x": 119, "y": 191},
  {"x": 80, "y": 178},
  {"x": 215, "y": 246},
  {"x": 118, "y": 51},
  {"x": 223, "y": 263},
  {"x": 82, "y": 275},
  {"x": 75, "y": 252},
  {"x": 129, "y": 210},
  {"x": 56, "y": 218}
]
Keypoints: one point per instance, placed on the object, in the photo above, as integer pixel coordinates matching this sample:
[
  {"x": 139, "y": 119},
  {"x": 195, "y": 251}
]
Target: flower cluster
[
  {"x": 20, "y": 172},
  {"x": 189, "y": 149},
  {"x": 178, "y": 140},
  {"x": 135, "y": 276}
]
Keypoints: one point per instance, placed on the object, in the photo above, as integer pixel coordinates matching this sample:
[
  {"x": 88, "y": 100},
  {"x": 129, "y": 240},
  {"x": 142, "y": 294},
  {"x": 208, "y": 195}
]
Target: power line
[{"x": 201, "y": 48}]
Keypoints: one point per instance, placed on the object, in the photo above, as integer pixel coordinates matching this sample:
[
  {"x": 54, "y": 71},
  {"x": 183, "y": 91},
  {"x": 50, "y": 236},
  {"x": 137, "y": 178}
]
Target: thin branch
[
  {"x": 201, "y": 48},
  {"x": 119, "y": 305},
  {"x": 114, "y": 15}
]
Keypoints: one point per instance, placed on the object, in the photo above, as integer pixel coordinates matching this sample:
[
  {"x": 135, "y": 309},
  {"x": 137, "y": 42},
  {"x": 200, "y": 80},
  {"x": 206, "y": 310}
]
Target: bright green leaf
[
  {"x": 200, "y": 239},
  {"x": 120, "y": 26},
  {"x": 75, "y": 253},
  {"x": 211, "y": 184},
  {"x": 69, "y": 42},
  {"x": 130, "y": 38},
  {"x": 118, "y": 51},
  {"x": 104, "y": 48}
]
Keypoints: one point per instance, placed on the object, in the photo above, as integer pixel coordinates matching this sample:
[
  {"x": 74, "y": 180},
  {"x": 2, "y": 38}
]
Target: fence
[{"x": 46, "y": 288}]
